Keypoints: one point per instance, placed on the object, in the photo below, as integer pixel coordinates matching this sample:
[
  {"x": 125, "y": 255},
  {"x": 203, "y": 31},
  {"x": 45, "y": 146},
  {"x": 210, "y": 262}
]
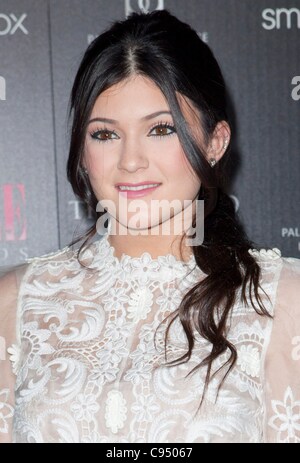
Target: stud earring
[
  {"x": 212, "y": 162},
  {"x": 85, "y": 171},
  {"x": 225, "y": 144}
]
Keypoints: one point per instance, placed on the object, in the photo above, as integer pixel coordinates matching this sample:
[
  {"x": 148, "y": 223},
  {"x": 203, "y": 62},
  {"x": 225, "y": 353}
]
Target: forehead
[
  {"x": 137, "y": 96},
  {"x": 136, "y": 92}
]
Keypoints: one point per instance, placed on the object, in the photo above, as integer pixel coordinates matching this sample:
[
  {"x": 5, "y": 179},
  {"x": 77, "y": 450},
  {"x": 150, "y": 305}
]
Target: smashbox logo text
[
  {"x": 10, "y": 24},
  {"x": 281, "y": 18}
]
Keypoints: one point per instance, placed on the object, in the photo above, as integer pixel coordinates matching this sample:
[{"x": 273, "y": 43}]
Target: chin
[{"x": 136, "y": 225}]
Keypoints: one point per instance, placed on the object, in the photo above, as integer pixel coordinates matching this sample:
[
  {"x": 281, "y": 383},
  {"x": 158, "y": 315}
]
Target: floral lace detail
[
  {"x": 91, "y": 366},
  {"x": 14, "y": 354},
  {"x": 84, "y": 407},
  {"x": 116, "y": 411},
  {"x": 145, "y": 408},
  {"x": 140, "y": 304},
  {"x": 6, "y": 411},
  {"x": 249, "y": 360},
  {"x": 34, "y": 339},
  {"x": 286, "y": 420},
  {"x": 266, "y": 254},
  {"x": 46, "y": 257},
  {"x": 143, "y": 268}
]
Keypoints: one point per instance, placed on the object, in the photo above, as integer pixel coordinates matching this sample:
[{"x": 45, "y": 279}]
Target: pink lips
[{"x": 137, "y": 193}]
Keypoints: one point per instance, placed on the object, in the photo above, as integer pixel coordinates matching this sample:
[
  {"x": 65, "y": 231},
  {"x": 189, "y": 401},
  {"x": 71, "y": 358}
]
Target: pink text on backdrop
[{"x": 13, "y": 219}]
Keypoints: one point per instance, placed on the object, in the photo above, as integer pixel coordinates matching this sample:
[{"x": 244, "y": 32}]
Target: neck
[
  {"x": 162, "y": 239},
  {"x": 135, "y": 246}
]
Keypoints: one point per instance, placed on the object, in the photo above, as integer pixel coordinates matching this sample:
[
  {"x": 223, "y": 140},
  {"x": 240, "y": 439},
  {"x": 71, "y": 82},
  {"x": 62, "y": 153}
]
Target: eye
[
  {"x": 162, "y": 130},
  {"x": 104, "y": 135}
]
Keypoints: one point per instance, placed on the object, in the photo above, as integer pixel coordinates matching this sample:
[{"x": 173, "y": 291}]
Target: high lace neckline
[{"x": 145, "y": 260}]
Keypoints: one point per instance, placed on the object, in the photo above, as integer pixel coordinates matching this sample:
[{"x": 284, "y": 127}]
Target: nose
[{"x": 132, "y": 156}]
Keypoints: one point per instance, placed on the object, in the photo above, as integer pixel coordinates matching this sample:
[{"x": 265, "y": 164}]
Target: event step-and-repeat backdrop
[{"x": 41, "y": 43}]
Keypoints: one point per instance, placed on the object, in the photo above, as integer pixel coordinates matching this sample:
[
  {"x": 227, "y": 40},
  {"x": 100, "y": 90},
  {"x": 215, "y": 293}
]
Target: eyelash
[
  {"x": 163, "y": 125},
  {"x": 95, "y": 133}
]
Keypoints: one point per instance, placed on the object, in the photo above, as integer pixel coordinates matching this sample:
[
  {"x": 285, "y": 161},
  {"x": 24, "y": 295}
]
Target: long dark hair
[{"x": 170, "y": 53}]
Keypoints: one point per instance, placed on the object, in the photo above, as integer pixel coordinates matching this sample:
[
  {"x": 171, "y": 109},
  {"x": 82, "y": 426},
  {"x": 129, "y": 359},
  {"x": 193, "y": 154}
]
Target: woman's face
[{"x": 131, "y": 142}]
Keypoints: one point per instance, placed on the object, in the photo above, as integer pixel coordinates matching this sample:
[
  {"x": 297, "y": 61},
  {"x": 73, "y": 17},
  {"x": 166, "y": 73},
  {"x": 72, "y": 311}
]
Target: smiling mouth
[
  {"x": 138, "y": 190},
  {"x": 138, "y": 187}
]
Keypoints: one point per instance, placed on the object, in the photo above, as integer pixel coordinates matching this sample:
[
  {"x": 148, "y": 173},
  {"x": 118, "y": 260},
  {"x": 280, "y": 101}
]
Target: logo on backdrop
[
  {"x": 144, "y": 6},
  {"x": 291, "y": 232},
  {"x": 288, "y": 232},
  {"x": 10, "y": 24},
  {"x": 12, "y": 217},
  {"x": 296, "y": 90},
  {"x": 280, "y": 18},
  {"x": 2, "y": 88}
]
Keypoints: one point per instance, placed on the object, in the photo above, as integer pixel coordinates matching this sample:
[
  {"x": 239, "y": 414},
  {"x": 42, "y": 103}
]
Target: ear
[{"x": 219, "y": 142}]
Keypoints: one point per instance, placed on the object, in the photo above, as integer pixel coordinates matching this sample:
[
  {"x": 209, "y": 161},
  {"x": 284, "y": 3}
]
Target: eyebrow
[{"x": 145, "y": 118}]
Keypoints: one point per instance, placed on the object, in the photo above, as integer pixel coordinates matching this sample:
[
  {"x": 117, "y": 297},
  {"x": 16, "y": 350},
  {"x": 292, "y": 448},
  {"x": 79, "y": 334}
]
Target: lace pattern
[{"x": 89, "y": 368}]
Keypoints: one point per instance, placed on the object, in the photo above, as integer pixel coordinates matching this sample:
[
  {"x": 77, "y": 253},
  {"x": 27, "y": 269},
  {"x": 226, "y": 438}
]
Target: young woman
[{"x": 151, "y": 333}]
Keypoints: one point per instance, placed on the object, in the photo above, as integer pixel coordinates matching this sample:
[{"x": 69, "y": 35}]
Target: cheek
[
  {"x": 171, "y": 160},
  {"x": 180, "y": 170},
  {"x": 98, "y": 163},
  {"x": 99, "y": 168}
]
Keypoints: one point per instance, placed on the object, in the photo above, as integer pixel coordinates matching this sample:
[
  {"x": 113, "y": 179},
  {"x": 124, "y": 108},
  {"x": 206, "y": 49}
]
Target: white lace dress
[{"x": 83, "y": 365}]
